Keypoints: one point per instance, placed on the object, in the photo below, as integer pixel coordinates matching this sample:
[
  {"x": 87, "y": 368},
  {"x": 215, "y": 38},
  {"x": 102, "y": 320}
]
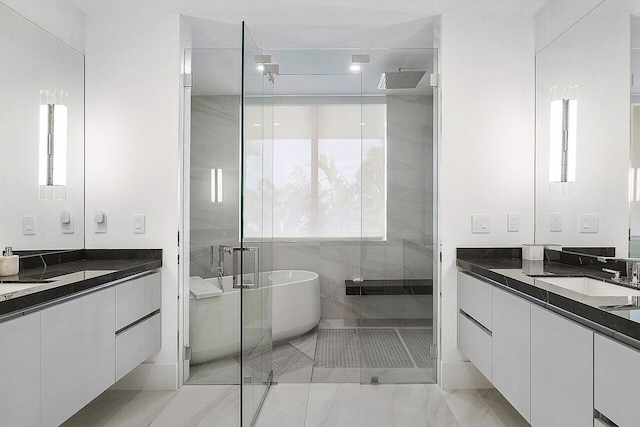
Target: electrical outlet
[
  {"x": 513, "y": 222},
  {"x": 555, "y": 222},
  {"x": 68, "y": 226},
  {"x": 100, "y": 222}
]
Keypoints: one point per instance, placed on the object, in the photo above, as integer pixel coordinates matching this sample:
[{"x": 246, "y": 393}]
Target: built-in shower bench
[{"x": 389, "y": 287}]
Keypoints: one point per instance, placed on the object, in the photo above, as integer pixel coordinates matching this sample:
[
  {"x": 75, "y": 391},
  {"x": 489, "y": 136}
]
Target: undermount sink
[{"x": 591, "y": 287}]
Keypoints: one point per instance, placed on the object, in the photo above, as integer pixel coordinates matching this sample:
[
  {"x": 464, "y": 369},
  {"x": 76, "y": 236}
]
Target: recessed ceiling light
[
  {"x": 276, "y": 124},
  {"x": 260, "y": 67},
  {"x": 355, "y": 67},
  {"x": 256, "y": 125}
]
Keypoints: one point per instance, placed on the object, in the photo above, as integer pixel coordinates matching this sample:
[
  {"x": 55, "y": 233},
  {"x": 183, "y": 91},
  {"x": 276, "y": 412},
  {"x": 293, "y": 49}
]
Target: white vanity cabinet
[
  {"x": 561, "y": 371},
  {"x": 617, "y": 378},
  {"x": 475, "y": 303},
  {"x": 20, "y": 367},
  {"x": 78, "y": 354},
  {"x": 511, "y": 344},
  {"x": 56, "y": 360}
]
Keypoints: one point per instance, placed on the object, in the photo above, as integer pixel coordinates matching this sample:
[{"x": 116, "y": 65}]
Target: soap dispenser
[{"x": 9, "y": 265}]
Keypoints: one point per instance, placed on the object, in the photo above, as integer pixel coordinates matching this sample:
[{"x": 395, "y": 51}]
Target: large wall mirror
[
  {"x": 587, "y": 189},
  {"x": 41, "y": 138}
]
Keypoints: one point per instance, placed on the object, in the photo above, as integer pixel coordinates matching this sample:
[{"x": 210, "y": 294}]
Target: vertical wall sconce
[
  {"x": 53, "y": 144},
  {"x": 563, "y": 139},
  {"x": 216, "y": 185}
]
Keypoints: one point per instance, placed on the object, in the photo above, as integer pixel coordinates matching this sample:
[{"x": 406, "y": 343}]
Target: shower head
[{"x": 401, "y": 79}]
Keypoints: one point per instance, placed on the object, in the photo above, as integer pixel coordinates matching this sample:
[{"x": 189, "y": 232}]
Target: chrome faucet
[
  {"x": 222, "y": 250},
  {"x": 616, "y": 274},
  {"x": 632, "y": 270}
]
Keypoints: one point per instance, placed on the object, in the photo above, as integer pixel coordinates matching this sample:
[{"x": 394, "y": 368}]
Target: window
[{"x": 329, "y": 167}]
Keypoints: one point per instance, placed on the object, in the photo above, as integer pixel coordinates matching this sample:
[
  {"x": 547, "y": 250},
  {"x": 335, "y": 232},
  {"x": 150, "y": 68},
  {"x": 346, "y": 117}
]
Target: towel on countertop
[{"x": 201, "y": 288}]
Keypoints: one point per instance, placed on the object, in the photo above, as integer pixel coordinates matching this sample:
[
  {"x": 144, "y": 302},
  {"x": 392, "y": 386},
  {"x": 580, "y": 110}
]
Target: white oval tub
[{"x": 214, "y": 321}]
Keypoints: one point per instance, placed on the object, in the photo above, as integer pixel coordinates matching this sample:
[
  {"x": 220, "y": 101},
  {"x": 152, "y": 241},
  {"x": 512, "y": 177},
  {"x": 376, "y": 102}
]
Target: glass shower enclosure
[
  {"x": 318, "y": 161},
  {"x": 229, "y": 144}
]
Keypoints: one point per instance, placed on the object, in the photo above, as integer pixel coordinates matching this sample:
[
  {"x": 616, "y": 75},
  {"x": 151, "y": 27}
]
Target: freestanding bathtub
[{"x": 214, "y": 321}]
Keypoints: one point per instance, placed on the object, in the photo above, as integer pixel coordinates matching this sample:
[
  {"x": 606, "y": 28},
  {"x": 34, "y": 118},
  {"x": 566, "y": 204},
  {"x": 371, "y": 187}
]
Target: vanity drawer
[
  {"x": 616, "y": 379},
  {"x": 475, "y": 298},
  {"x": 137, "y": 344},
  {"x": 475, "y": 343},
  {"x": 137, "y": 298}
]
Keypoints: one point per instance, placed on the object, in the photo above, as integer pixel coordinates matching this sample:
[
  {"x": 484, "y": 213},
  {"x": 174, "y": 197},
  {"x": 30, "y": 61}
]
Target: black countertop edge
[
  {"x": 476, "y": 253},
  {"x": 117, "y": 264},
  {"x": 607, "y": 320},
  {"x": 39, "y": 258}
]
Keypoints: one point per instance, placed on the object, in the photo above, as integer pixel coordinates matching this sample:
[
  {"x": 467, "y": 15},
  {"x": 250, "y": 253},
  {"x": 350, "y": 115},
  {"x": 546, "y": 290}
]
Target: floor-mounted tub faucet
[{"x": 222, "y": 250}]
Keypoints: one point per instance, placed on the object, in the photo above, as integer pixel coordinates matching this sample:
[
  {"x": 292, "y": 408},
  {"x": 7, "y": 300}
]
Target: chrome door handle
[{"x": 237, "y": 277}]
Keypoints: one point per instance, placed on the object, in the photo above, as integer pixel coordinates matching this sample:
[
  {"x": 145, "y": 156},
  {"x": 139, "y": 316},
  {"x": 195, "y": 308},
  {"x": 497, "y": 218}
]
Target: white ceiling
[
  {"x": 338, "y": 10},
  {"x": 315, "y": 23}
]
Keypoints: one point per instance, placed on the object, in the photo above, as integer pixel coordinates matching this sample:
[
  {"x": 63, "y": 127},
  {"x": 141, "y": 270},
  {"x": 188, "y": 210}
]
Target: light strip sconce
[
  {"x": 563, "y": 138},
  {"x": 53, "y": 144},
  {"x": 216, "y": 185}
]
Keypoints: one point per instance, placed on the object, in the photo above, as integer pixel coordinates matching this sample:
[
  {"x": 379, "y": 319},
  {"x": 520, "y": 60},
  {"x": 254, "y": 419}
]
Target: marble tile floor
[
  {"x": 309, "y": 358},
  {"x": 303, "y": 405}
]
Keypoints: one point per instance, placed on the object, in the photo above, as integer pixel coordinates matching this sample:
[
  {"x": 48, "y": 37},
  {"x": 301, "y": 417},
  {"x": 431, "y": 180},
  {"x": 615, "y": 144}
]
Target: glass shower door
[
  {"x": 252, "y": 261},
  {"x": 396, "y": 320}
]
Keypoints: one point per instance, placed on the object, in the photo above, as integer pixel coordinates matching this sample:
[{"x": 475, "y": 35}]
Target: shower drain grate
[
  {"x": 284, "y": 358},
  {"x": 382, "y": 348},
  {"x": 418, "y": 342},
  {"x": 338, "y": 348}
]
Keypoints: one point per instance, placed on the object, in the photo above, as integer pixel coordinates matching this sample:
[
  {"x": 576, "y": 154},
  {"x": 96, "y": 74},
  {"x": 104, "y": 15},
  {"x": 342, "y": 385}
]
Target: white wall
[
  {"x": 132, "y": 130},
  {"x": 557, "y": 16},
  {"x": 59, "y": 17},
  {"x": 487, "y": 66}
]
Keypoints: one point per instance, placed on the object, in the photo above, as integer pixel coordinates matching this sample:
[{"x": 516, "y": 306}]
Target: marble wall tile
[
  {"x": 393, "y": 307},
  {"x": 214, "y": 144},
  {"x": 297, "y": 256}
]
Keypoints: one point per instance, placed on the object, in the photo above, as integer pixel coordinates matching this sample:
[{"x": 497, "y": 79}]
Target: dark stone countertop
[
  {"x": 47, "y": 276},
  {"x": 504, "y": 267}
]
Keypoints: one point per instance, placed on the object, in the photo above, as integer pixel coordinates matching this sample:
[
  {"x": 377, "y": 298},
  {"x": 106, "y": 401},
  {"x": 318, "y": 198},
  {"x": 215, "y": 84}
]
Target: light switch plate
[
  {"x": 138, "y": 224},
  {"x": 480, "y": 224},
  {"x": 589, "y": 223},
  {"x": 555, "y": 222},
  {"x": 29, "y": 225},
  {"x": 68, "y": 227},
  {"x": 513, "y": 222}
]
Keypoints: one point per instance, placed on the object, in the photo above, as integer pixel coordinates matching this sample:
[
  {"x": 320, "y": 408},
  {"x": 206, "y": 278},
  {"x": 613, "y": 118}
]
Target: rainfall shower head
[{"x": 401, "y": 79}]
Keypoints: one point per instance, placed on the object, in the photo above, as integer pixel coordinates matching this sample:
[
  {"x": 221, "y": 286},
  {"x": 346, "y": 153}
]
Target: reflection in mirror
[
  {"x": 582, "y": 133},
  {"x": 634, "y": 172},
  {"x": 42, "y": 138}
]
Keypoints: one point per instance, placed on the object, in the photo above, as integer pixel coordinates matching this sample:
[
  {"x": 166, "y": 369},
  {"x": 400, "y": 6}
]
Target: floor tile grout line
[{"x": 406, "y": 348}]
